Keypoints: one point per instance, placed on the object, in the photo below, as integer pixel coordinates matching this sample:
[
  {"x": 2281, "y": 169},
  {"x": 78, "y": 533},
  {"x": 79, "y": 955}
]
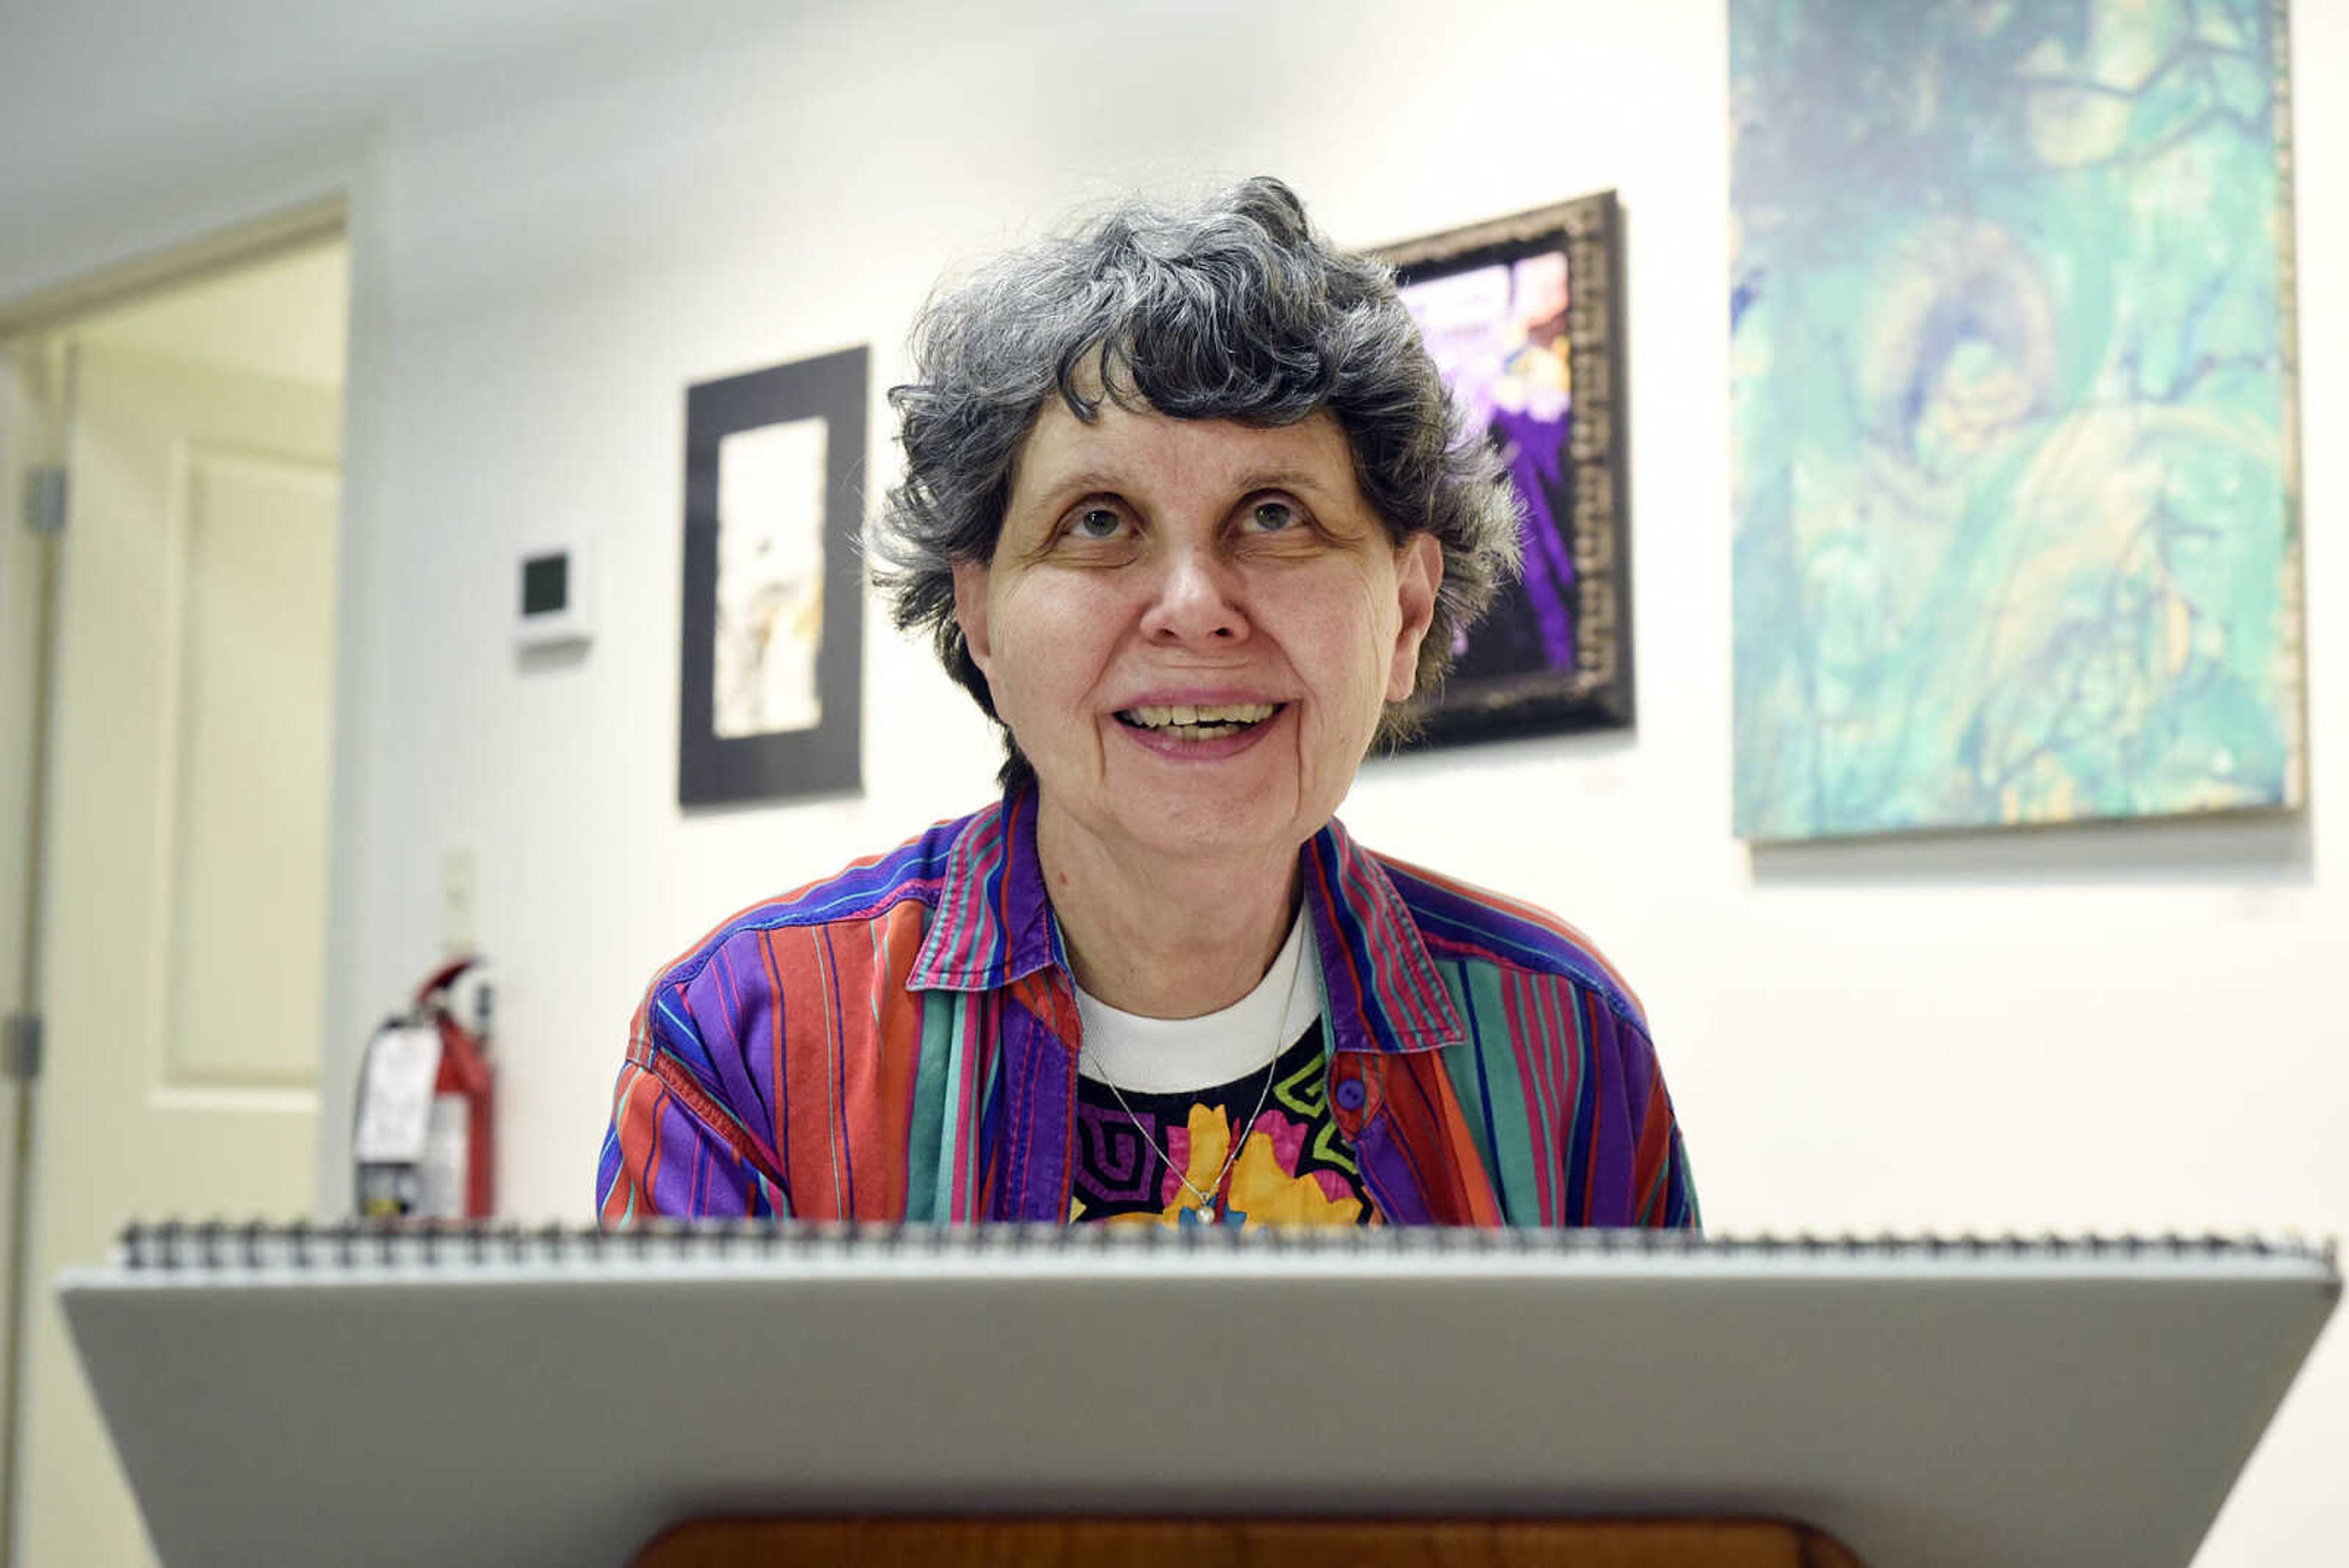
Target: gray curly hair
[{"x": 1231, "y": 309}]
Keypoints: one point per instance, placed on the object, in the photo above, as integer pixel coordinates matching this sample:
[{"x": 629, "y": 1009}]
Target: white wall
[{"x": 2129, "y": 1028}]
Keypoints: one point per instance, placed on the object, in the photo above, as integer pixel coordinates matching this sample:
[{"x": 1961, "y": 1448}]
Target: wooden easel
[{"x": 1223, "y": 1543}]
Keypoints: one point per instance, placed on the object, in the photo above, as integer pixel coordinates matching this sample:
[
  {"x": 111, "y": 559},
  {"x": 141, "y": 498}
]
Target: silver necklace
[{"x": 1214, "y": 1195}]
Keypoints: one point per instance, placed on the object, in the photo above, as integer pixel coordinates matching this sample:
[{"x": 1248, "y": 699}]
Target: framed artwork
[
  {"x": 2014, "y": 411},
  {"x": 772, "y": 702},
  {"x": 1524, "y": 316}
]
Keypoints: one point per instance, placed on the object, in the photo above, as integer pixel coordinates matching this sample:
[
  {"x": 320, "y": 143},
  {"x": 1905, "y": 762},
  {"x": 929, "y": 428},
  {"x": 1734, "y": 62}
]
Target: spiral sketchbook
[{"x": 515, "y": 1396}]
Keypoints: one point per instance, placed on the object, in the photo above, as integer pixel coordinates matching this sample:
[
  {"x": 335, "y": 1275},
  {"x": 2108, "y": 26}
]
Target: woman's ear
[
  {"x": 970, "y": 579},
  {"x": 1419, "y": 573}
]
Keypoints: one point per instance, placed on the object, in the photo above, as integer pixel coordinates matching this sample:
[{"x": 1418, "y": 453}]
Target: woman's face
[{"x": 1192, "y": 626}]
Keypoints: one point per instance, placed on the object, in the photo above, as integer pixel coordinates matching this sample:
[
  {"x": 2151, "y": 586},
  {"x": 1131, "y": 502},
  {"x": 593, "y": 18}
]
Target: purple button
[{"x": 1350, "y": 1094}]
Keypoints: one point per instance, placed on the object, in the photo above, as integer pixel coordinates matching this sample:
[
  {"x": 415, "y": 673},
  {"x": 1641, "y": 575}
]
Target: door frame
[{"x": 32, "y": 435}]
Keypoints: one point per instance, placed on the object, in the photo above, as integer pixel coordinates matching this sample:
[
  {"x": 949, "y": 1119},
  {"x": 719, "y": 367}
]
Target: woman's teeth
[{"x": 1199, "y": 721}]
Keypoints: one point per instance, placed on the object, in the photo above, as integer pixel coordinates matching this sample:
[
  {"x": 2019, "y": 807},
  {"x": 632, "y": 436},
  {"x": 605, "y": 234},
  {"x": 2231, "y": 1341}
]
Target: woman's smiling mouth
[{"x": 1198, "y": 721}]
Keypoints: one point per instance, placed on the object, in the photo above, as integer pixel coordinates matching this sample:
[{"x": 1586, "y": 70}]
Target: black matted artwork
[
  {"x": 1524, "y": 316},
  {"x": 774, "y": 601}
]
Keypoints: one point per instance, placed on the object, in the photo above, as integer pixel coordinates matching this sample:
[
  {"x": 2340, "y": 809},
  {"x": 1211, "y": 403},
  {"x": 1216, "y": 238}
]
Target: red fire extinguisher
[{"x": 440, "y": 1163}]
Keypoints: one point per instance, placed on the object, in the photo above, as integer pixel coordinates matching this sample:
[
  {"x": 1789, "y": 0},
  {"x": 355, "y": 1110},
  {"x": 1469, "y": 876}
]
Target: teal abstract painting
[{"x": 2013, "y": 399}]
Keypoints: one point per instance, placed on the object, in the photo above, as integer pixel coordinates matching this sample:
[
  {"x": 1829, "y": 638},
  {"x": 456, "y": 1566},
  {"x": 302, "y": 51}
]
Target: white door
[{"x": 185, "y": 866}]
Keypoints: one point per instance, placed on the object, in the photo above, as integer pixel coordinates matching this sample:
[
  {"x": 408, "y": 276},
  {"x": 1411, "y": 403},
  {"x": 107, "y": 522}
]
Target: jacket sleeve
[
  {"x": 675, "y": 1147},
  {"x": 1664, "y": 1195}
]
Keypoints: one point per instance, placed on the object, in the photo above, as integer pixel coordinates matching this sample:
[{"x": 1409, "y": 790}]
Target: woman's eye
[
  {"x": 1096, "y": 523},
  {"x": 1271, "y": 516}
]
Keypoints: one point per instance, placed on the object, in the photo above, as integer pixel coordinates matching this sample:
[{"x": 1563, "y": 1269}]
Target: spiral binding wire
[{"x": 222, "y": 1246}]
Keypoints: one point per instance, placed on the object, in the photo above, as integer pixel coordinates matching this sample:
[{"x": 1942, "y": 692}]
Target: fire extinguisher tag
[
  {"x": 446, "y": 1165},
  {"x": 396, "y": 1098}
]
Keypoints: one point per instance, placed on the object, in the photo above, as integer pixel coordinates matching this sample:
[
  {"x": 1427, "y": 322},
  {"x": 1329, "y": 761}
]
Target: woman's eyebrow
[
  {"x": 1281, "y": 479},
  {"x": 1084, "y": 481}
]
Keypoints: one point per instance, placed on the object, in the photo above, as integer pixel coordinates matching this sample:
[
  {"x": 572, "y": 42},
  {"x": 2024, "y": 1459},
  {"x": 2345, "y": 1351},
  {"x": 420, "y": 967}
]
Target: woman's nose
[{"x": 1197, "y": 599}]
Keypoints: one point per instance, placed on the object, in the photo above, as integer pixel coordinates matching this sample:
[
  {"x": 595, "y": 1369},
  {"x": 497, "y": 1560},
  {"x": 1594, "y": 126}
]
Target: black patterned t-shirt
[{"x": 1295, "y": 1167}]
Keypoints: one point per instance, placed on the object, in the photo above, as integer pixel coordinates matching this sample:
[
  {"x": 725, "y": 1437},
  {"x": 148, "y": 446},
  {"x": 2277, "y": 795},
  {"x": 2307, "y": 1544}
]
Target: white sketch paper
[{"x": 771, "y": 511}]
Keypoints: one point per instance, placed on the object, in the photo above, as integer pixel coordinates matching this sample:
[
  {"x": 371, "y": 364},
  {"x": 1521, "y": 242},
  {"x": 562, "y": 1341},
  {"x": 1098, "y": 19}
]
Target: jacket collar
[
  {"x": 1382, "y": 990},
  {"x": 993, "y": 925}
]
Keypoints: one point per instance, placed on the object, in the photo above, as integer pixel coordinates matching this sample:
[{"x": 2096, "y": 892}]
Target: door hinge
[
  {"x": 20, "y": 1048},
  {"x": 44, "y": 498}
]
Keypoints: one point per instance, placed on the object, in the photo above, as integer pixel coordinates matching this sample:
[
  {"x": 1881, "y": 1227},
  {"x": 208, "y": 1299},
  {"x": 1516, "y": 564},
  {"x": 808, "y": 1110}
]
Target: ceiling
[{"x": 104, "y": 101}]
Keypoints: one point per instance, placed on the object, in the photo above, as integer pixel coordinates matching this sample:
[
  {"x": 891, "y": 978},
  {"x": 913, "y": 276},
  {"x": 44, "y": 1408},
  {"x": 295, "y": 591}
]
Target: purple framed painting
[{"x": 1523, "y": 315}]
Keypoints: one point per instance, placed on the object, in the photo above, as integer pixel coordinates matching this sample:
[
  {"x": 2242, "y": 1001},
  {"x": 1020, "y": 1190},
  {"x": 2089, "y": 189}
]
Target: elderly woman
[{"x": 1186, "y": 511}]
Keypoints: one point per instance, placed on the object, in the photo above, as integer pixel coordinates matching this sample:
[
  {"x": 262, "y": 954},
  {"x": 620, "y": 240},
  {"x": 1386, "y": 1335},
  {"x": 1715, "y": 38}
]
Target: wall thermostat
[{"x": 554, "y": 596}]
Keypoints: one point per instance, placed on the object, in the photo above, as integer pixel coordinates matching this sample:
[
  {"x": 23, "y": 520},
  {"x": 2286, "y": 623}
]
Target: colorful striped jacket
[{"x": 900, "y": 1042}]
